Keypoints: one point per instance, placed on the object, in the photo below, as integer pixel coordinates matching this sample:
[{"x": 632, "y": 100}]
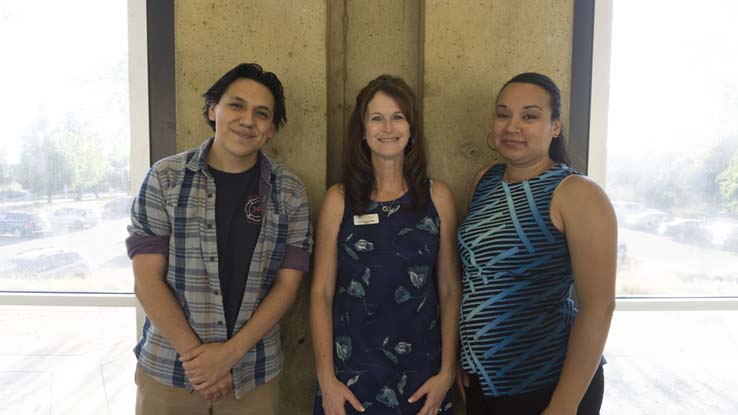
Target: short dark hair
[
  {"x": 358, "y": 171},
  {"x": 250, "y": 71},
  {"x": 557, "y": 149}
]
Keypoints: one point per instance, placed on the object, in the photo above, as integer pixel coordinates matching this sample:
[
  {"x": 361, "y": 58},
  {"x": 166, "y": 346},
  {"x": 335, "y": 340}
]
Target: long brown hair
[{"x": 358, "y": 172}]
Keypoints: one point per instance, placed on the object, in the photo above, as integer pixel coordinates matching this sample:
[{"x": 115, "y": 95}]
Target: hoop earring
[{"x": 488, "y": 141}]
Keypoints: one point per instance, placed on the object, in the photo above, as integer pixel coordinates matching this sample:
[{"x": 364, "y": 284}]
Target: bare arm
[
  {"x": 324, "y": 281},
  {"x": 209, "y": 362},
  {"x": 335, "y": 393},
  {"x": 149, "y": 232},
  {"x": 269, "y": 312},
  {"x": 475, "y": 182},
  {"x": 449, "y": 296},
  {"x": 449, "y": 278},
  {"x": 148, "y": 246},
  {"x": 162, "y": 308},
  {"x": 581, "y": 209}
]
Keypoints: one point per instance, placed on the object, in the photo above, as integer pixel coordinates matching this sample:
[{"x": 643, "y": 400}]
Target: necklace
[{"x": 389, "y": 208}]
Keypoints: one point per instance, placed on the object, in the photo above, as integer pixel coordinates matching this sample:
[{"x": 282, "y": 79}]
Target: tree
[
  {"x": 712, "y": 165},
  {"x": 117, "y": 173},
  {"x": 5, "y": 170},
  {"x": 728, "y": 182},
  {"x": 82, "y": 152},
  {"x": 43, "y": 169}
]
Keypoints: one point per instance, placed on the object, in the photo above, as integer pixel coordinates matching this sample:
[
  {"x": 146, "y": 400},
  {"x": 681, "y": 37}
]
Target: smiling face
[
  {"x": 243, "y": 124},
  {"x": 386, "y": 128},
  {"x": 522, "y": 127}
]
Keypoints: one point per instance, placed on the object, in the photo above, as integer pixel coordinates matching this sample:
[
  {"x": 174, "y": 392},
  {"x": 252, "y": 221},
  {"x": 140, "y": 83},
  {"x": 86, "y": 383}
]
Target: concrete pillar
[{"x": 367, "y": 39}]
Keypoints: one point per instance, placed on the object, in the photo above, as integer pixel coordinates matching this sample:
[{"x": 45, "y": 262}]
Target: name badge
[{"x": 368, "y": 219}]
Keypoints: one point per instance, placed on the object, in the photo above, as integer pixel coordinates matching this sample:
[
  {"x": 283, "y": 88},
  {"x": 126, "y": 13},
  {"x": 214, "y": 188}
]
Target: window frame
[{"x": 590, "y": 93}]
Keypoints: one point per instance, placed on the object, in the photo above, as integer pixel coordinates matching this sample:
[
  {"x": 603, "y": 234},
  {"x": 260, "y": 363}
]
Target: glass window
[
  {"x": 672, "y": 146},
  {"x": 65, "y": 154}
]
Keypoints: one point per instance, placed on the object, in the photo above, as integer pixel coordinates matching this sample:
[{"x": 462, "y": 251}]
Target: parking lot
[
  {"x": 101, "y": 246},
  {"x": 659, "y": 265}
]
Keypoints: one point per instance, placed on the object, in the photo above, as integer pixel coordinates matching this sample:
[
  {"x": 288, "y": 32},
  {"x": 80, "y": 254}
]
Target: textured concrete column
[
  {"x": 285, "y": 37},
  {"x": 366, "y": 39},
  {"x": 471, "y": 48}
]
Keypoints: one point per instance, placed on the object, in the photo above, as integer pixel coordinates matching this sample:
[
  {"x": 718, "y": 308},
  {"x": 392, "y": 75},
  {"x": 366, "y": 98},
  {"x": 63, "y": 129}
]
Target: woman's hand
[
  {"x": 335, "y": 395},
  {"x": 550, "y": 411},
  {"x": 434, "y": 389}
]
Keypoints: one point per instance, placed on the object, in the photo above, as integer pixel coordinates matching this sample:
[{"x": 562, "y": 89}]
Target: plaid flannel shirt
[{"x": 174, "y": 214}]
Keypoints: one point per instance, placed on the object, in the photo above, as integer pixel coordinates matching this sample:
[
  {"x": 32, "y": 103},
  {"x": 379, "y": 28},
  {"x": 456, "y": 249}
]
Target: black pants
[{"x": 530, "y": 403}]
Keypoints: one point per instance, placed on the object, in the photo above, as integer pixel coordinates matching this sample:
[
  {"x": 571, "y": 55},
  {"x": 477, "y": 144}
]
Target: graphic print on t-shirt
[{"x": 253, "y": 210}]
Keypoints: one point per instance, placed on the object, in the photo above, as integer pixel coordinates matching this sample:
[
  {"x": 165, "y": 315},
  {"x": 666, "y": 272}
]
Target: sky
[
  {"x": 678, "y": 91},
  {"x": 57, "y": 63}
]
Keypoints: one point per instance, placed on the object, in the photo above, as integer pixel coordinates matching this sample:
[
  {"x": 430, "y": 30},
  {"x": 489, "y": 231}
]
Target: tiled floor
[
  {"x": 72, "y": 360},
  {"x": 675, "y": 363}
]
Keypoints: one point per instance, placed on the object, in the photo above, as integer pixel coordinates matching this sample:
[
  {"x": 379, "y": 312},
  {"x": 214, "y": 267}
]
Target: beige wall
[
  {"x": 285, "y": 37},
  {"x": 470, "y": 52},
  {"x": 455, "y": 53}
]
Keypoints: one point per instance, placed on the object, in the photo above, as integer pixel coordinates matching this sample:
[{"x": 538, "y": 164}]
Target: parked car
[
  {"x": 623, "y": 209},
  {"x": 648, "y": 220},
  {"x": 74, "y": 218},
  {"x": 23, "y": 224},
  {"x": 687, "y": 230},
  {"x": 46, "y": 263},
  {"x": 117, "y": 208},
  {"x": 724, "y": 234}
]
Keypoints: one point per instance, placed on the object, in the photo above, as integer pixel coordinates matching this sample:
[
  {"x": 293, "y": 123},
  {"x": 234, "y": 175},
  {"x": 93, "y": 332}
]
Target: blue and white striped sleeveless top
[{"x": 516, "y": 311}]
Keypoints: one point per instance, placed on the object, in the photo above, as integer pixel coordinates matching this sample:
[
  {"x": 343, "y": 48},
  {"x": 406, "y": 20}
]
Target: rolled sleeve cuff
[
  {"x": 148, "y": 244},
  {"x": 296, "y": 258}
]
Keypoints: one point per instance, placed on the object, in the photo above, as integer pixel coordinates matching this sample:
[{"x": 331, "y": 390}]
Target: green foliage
[
  {"x": 728, "y": 183},
  {"x": 61, "y": 158},
  {"x": 5, "y": 170},
  {"x": 118, "y": 171},
  {"x": 83, "y": 153},
  {"x": 696, "y": 184},
  {"x": 43, "y": 168}
]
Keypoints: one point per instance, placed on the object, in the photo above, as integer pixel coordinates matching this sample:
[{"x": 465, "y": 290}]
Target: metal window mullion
[
  {"x": 67, "y": 299},
  {"x": 677, "y": 304}
]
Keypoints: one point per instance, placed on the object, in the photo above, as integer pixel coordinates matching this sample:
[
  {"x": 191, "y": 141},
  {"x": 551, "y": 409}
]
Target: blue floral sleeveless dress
[{"x": 386, "y": 320}]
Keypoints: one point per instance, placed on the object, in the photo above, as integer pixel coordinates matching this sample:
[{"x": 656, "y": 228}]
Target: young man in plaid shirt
[{"x": 220, "y": 238}]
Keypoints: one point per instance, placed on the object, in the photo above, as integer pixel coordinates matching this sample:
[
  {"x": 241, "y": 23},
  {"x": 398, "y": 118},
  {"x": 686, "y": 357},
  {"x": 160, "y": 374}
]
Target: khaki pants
[{"x": 154, "y": 398}]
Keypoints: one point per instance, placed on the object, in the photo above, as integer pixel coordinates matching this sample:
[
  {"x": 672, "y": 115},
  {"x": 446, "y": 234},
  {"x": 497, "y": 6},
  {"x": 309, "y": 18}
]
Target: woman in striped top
[{"x": 534, "y": 230}]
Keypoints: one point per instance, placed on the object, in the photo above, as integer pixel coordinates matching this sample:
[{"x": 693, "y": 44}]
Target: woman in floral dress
[{"x": 386, "y": 289}]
